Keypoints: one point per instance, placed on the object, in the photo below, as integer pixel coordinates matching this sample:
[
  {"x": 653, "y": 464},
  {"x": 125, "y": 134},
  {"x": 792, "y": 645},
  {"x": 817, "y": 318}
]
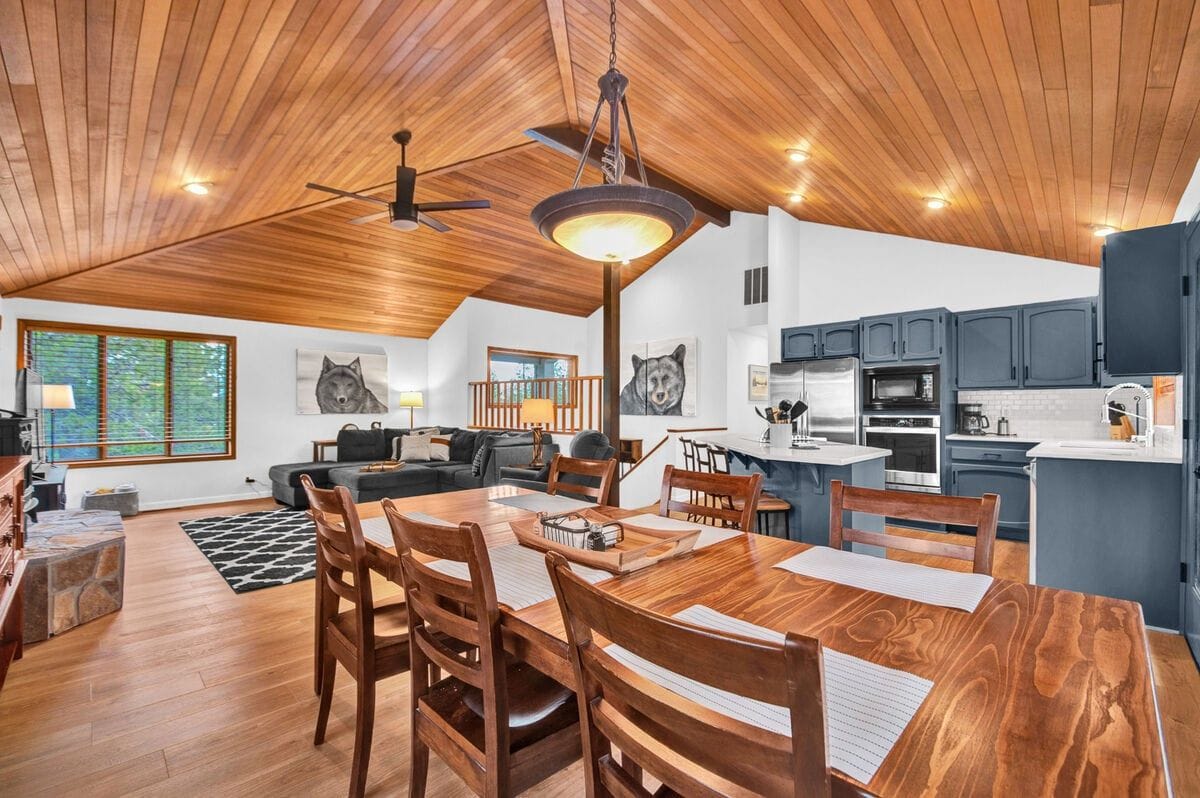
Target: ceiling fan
[{"x": 403, "y": 213}]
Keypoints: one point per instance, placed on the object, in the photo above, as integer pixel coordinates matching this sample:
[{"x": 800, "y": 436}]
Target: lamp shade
[
  {"x": 58, "y": 397},
  {"x": 612, "y": 223},
  {"x": 412, "y": 399},
  {"x": 537, "y": 411}
]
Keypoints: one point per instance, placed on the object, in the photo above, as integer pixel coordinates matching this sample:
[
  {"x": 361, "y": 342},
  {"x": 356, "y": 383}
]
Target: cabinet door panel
[
  {"x": 880, "y": 339},
  {"x": 1009, "y": 482},
  {"x": 801, "y": 343},
  {"x": 839, "y": 340},
  {"x": 920, "y": 336},
  {"x": 989, "y": 348},
  {"x": 1059, "y": 344},
  {"x": 1140, "y": 278}
]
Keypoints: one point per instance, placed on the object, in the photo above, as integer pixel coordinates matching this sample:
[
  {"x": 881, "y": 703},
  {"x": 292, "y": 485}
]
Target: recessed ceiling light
[
  {"x": 936, "y": 203},
  {"x": 795, "y": 197},
  {"x": 797, "y": 155},
  {"x": 197, "y": 188},
  {"x": 1102, "y": 230}
]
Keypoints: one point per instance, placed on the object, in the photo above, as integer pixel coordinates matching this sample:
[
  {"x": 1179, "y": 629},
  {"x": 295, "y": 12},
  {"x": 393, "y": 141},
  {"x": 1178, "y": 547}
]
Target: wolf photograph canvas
[
  {"x": 340, "y": 382},
  {"x": 658, "y": 378}
]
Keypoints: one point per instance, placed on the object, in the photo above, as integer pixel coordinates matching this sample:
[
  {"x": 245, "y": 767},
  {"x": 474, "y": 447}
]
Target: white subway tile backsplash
[{"x": 1061, "y": 413}]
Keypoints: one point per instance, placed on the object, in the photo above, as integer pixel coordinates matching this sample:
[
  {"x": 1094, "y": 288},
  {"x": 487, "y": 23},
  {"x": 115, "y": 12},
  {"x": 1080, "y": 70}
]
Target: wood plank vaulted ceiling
[{"x": 1036, "y": 119}]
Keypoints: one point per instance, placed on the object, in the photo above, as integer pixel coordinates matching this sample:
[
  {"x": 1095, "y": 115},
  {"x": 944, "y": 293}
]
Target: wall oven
[
  {"x": 915, "y": 463},
  {"x": 901, "y": 388}
]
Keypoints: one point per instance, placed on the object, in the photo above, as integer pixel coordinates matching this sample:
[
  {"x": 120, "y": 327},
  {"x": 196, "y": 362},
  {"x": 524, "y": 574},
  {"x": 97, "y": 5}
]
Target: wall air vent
[{"x": 755, "y": 286}]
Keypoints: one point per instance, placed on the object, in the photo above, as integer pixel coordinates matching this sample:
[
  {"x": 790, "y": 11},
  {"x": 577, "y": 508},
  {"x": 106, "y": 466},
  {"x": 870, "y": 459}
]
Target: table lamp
[
  {"x": 411, "y": 400},
  {"x": 56, "y": 397},
  {"x": 537, "y": 412}
]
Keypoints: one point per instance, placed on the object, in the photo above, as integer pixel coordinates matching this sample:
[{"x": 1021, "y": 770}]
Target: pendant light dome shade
[{"x": 612, "y": 222}]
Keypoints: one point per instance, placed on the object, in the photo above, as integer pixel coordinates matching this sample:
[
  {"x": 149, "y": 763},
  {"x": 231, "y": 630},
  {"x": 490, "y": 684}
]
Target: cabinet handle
[
  {"x": 1013, "y": 373},
  {"x": 989, "y": 456},
  {"x": 1027, "y": 372}
]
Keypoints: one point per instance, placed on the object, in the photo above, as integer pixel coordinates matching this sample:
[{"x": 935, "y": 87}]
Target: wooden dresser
[{"x": 12, "y": 560}]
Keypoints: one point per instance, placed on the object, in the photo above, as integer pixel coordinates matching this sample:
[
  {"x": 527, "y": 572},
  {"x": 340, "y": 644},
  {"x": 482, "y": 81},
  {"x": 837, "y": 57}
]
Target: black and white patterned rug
[{"x": 256, "y": 550}]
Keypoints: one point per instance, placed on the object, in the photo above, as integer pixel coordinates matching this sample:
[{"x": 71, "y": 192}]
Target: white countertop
[
  {"x": 990, "y": 438},
  {"x": 827, "y": 453},
  {"x": 1095, "y": 450}
]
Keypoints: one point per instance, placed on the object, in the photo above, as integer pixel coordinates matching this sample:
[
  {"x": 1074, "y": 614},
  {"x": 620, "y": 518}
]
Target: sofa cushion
[
  {"x": 289, "y": 473},
  {"x": 380, "y": 481},
  {"x": 446, "y": 475},
  {"x": 462, "y": 445},
  {"x": 357, "y": 445},
  {"x": 466, "y": 480}
]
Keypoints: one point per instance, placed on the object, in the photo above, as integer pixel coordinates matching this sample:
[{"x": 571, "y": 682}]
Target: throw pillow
[
  {"x": 481, "y": 454},
  {"x": 462, "y": 446},
  {"x": 414, "y": 447},
  {"x": 439, "y": 449}
]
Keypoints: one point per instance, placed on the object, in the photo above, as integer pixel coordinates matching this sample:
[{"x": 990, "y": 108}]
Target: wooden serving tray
[
  {"x": 386, "y": 465},
  {"x": 640, "y": 548}
]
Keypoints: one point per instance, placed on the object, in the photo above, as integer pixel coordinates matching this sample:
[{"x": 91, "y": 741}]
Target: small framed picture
[{"x": 758, "y": 383}]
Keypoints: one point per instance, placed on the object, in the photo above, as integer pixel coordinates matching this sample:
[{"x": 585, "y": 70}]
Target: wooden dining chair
[
  {"x": 768, "y": 503},
  {"x": 501, "y": 725},
  {"x": 690, "y": 748},
  {"x": 369, "y": 640},
  {"x": 576, "y": 476},
  {"x": 742, "y": 493},
  {"x": 983, "y": 513}
]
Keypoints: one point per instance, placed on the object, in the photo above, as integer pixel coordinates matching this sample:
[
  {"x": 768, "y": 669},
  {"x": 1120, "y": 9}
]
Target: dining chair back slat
[
  {"x": 691, "y": 748},
  {"x": 738, "y": 497},
  {"x": 982, "y": 513},
  {"x": 562, "y": 468}
]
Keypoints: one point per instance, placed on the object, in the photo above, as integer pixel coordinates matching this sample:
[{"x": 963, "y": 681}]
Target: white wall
[
  {"x": 269, "y": 431},
  {"x": 744, "y": 348},
  {"x": 458, "y": 350}
]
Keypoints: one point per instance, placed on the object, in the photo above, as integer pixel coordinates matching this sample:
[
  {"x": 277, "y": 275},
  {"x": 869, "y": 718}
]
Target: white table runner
[
  {"x": 520, "y": 575},
  {"x": 906, "y": 580},
  {"x": 708, "y": 534},
  {"x": 868, "y": 706},
  {"x": 544, "y": 503},
  {"x": 379, "y": 530}
]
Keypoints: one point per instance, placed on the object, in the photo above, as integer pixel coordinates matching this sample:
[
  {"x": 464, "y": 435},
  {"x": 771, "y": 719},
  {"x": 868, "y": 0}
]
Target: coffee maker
[{"x": 971, "y": 420}]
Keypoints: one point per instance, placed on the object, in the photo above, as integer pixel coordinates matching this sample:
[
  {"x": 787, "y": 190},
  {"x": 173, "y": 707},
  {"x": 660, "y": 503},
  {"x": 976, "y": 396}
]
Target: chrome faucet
[{"x": 1147, "y": 439}]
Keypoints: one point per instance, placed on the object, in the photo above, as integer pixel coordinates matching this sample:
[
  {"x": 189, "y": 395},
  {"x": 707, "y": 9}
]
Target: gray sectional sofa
[{"x": 356, "y": 448}]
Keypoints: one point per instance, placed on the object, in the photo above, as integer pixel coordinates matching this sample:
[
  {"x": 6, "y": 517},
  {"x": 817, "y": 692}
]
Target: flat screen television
[{"x": 27, "y": 402}]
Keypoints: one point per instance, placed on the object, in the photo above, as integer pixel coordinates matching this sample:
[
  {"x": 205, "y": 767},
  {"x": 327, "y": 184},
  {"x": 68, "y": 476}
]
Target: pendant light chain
[{"x": 612, "y": 34}]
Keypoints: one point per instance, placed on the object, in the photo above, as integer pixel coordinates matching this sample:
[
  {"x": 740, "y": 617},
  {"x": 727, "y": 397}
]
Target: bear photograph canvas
[
  {"x": 658, "y": 378},
  {"x": 340, "y": 382}
]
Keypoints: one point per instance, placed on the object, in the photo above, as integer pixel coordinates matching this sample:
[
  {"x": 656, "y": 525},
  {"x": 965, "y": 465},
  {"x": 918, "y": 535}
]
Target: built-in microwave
[{"x": 901, "y": 388}]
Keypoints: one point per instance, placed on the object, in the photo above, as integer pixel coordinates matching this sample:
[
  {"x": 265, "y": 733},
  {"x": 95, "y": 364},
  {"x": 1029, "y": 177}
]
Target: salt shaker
[{"x": 595, "y": 537}]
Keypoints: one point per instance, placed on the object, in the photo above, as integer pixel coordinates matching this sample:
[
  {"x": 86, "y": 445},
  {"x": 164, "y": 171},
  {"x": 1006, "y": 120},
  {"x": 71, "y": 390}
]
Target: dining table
[{"x": 1038, "y": 691}]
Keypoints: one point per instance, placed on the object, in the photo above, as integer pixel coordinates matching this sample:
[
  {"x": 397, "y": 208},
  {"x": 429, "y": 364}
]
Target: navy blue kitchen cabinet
[
  {"x": 921, "y": 335},
  {"x": 996, "y": 467},
  {"x": 1141, "y": 280},
  {"x": 1058, "y": 344},
  {"x": 839, "y": 340},
  {"x": 989, "y": 348},
  {"x": 880, "y": 340},
  {"x": 801, "y": 343}
]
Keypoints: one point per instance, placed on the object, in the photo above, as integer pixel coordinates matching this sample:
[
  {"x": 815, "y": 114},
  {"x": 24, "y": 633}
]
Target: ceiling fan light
[{"x": 612, "y": 222}]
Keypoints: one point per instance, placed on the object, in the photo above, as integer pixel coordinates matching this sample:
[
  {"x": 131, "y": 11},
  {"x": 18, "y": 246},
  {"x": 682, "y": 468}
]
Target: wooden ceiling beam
[
  {"x": 562, "y": 54},
  {"x": 275, "y": 217},
  {"x": 569, "y": 141}
]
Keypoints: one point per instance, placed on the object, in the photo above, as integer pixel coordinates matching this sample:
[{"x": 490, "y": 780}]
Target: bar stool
[{"x": 769, "y": 505}]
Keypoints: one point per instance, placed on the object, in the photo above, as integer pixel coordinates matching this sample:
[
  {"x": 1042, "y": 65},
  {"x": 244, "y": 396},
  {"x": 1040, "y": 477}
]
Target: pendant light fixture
[{"x": 612, "y": 222}]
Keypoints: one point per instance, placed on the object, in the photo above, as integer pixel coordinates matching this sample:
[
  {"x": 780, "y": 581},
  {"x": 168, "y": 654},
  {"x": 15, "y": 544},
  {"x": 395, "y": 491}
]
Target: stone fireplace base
[{"x": 75, "y": 571}]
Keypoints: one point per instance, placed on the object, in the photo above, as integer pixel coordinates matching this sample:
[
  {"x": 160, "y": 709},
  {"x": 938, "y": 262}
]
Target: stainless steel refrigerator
[{"x": 829, "y": 388}]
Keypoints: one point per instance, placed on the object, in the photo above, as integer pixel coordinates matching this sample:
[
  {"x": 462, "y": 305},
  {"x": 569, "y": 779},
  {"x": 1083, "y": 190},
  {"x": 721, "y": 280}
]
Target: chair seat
[
  {"x": 391, "y": 621},
  {"x": 768, "y": 503},
  {"x": 538, "y": 707}
]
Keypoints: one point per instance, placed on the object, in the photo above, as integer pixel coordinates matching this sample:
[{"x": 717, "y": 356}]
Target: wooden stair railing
[
  {"x": 496, "y": 404},
  {"x": 663, "y": 441}
]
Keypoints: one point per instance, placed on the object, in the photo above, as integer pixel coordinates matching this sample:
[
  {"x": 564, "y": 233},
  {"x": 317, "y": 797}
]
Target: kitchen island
[
  {"x": 801, "y": 477},
  {"x": 1107, "y": 520}
]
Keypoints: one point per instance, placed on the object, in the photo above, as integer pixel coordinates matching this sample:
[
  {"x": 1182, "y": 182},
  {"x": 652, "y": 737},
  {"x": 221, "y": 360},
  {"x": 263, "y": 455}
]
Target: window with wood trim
[
  {"x": 141, "y": 396},
  {"x": 520, "y": 374}
]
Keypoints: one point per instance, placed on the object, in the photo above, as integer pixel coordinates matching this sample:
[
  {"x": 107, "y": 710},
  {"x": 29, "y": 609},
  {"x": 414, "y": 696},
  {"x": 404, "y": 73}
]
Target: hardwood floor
[{"x": 191, "y": 689}]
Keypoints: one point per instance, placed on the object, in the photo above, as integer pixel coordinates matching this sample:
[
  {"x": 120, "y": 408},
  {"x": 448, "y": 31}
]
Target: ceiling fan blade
[
  {"x": 429, "y": 221},
  {"x": 348, "y": 194},
  {"x": 370, "y": 217},
  {"x": 406, "y": 183},
  {"x": 456, "y": 205}
]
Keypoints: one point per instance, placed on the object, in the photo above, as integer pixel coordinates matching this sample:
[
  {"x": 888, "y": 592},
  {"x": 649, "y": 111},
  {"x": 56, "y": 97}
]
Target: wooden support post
[{"x": 612, "y": 364}]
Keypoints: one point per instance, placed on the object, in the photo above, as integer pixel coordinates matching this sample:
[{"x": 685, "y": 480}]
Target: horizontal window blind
[{"x": 140, "y": 395}]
